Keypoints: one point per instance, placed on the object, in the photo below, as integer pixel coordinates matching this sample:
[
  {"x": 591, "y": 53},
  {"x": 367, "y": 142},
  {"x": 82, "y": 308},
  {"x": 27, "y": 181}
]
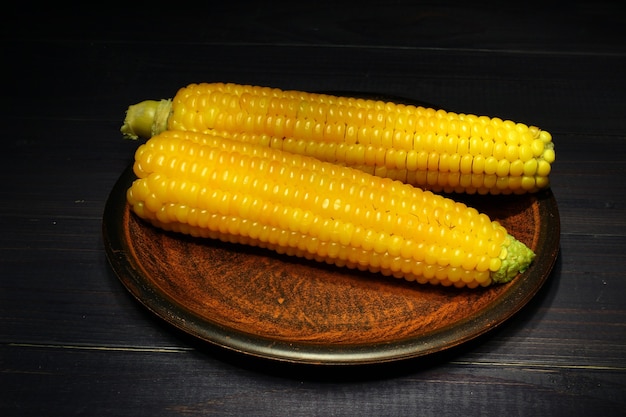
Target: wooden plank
[
  {"x": 527, "y": 87},
  {"x": 578, "y": 26},
  {"x": 72, "y": 380}
]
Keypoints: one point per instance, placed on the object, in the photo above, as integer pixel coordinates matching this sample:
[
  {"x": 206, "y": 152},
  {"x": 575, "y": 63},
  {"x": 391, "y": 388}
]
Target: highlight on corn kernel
[
  {"x": 426, "y": 147},
  {"x": 247, "y": 193}
]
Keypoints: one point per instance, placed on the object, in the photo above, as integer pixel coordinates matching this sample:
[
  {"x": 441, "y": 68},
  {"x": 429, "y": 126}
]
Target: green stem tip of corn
[
  {"x": 146, "y": 119},
  {"x": 516, "y": 258}
]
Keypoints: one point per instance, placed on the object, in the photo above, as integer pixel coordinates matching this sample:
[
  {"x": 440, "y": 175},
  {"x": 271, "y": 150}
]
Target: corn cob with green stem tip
[
  {"x": 425, "y": 147},
  {"x": 212, "y": 187}
]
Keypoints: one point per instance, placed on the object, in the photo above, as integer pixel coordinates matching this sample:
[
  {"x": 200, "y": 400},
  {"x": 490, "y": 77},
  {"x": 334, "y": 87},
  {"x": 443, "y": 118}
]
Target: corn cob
[
  {"x": 212, "y": 187},
  {"x": 432, "y": 149}
]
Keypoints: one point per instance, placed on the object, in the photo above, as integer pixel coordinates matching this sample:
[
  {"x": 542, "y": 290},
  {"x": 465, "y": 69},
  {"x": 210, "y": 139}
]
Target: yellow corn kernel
[
  {"x": 210, "y": 186},
  {"x": 348, "y": 126}
]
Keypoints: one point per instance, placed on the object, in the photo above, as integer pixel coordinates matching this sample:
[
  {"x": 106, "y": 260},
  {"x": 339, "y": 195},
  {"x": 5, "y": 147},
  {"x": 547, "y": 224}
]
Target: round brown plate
[
  {"x": 259, "y": 303},
  {"x": 270, "y": 306}
]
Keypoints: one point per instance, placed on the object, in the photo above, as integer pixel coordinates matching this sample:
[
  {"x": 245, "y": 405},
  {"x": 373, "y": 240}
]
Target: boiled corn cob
[
  {"x": 432, "y": 149},
  {"x": 209, "y": 186}
]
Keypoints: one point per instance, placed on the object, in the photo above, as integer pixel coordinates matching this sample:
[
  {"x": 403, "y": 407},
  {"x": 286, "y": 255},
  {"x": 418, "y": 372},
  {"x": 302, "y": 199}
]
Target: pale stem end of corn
[
  {"x": 146, "y": 119},
  {"x": 517, "y": 259}
]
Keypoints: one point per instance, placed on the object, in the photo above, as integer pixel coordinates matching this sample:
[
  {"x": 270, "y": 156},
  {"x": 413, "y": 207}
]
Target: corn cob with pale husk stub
[
  {"x": 212, "y": 187},
  {"x": 430, "y": 148}
]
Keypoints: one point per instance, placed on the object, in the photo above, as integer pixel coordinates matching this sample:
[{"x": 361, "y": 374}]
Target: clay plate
[{"x": 287, "y": 309}]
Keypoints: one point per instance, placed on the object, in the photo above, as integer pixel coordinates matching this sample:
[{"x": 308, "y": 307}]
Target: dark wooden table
[{"x": 73, "y": 341}]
